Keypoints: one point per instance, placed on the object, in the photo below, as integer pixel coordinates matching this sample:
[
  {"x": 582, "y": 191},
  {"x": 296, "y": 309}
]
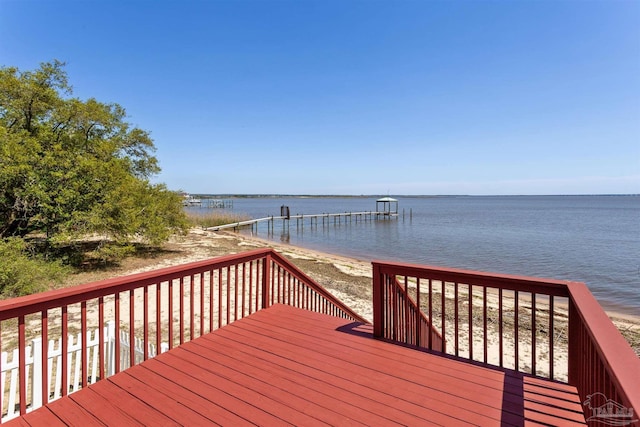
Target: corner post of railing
[
  {"x": 575, "y": 346},
  {"x": 266, "y": 280},
  {"x": 378, "y": 297}
]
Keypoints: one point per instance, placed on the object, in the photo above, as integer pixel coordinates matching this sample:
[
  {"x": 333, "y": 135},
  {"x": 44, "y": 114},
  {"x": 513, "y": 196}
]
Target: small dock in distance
[
  {"x": 206, "y": 202},
  {"x": 217, "y": 203}
]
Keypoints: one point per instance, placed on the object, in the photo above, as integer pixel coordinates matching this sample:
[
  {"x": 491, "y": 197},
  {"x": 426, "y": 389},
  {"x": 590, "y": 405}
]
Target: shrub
[
  {"x": 112, "y": 252},
  {"x": 23, "y": 273}
]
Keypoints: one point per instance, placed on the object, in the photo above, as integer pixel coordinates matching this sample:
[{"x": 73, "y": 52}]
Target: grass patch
[{"x": 213, "y": 219}]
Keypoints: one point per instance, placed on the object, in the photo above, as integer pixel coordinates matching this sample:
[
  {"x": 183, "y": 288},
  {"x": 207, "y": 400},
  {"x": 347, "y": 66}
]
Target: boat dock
[
  {"x": 217, "y": 203},
  {"x": 338, "y": 218},
  {"x": 207, "y": 202}
]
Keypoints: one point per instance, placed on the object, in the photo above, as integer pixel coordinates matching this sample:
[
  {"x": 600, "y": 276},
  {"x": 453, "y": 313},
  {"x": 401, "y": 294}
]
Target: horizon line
[{"x": 411, "y": 195}]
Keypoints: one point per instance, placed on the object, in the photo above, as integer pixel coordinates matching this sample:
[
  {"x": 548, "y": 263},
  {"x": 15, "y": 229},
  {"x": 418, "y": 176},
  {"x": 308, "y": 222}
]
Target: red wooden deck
[{"x": 287, "y": 366}]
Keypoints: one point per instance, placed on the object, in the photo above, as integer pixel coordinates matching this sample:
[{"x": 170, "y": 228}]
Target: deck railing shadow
[
  {"x": 171, "y": 305},
  {"x": 544, "y": 328}
]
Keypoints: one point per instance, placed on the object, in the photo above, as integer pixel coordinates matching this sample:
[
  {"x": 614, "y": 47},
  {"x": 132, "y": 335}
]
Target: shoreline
[{"x": 344, "y": 258}]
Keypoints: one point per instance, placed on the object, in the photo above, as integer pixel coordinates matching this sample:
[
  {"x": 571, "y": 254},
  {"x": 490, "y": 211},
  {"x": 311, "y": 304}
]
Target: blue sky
[{"x": 358, "y": 97}]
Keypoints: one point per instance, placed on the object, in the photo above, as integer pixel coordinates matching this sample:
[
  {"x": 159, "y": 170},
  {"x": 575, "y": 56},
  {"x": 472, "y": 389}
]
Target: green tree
[{"x": 69, "y": 167}]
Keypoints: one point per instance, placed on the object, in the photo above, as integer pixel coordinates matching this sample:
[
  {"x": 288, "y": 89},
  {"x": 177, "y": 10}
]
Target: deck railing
[
  {"x": 548, "y": 328},
  {"x": 405, "y": 321},
  {"x": 172, "y": 305}
]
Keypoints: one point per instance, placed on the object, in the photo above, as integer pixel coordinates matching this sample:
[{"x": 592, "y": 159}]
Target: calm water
[{"x": 593, "y": 239}]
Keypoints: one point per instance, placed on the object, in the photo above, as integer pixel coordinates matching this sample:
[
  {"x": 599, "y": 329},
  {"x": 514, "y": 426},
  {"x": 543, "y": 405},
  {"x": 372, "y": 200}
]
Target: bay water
[{"x": 591, "y": 239}]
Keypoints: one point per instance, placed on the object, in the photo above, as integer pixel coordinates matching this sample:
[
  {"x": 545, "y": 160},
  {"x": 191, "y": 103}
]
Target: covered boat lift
[{"x": 387, "y": 206}]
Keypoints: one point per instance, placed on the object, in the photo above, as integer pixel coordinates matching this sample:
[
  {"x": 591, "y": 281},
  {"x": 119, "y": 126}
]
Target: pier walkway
[{"x": 337, "y": 217}]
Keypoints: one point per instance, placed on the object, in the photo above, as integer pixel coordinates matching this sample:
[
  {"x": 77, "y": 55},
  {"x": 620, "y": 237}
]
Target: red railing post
[
  {"x": 575, "y": 345},
  {"x": 266, "y": 277},
  {"x": 419, "y": 341},
  {"x": 378, "y": 302}
]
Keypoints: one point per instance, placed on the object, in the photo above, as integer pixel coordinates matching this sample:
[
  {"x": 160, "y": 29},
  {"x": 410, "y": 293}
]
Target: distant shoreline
[{"x": 405, "y": 196}]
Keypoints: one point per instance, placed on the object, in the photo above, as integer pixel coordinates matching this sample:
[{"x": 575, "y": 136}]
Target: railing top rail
[
  {"x": 500, "y": 281},
  {"x": 312, "y": 283},
  {"x": 35, "y": 303},
  {"x": 622, "y": 362}
]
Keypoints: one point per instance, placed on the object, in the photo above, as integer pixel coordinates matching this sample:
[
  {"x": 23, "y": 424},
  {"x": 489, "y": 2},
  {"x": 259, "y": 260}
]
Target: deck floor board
[
  {"x": 261, "y": 373},
  {"x": 103, "y": 409},
  {"x": 299, "y": 376},
  {"x": 287, "y": 366},
  {"x": 218, "y": 396},
  {"x": 409, "y": 358},
  {"x": 71, "y": 413},
  {"x": 297, "y": 399},
  {"x": 329, "y": 383},
  {"x": 377, "y": 372}
]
